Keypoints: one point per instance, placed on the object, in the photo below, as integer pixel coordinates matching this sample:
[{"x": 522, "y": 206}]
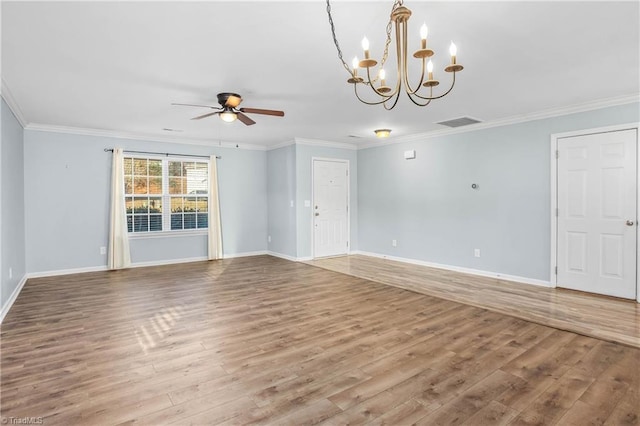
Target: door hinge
[
  {"x": 557, "y": 154},
  {"x": 556, "y": 270},
  {"x": 347, "y": 172},
  {"x": 557, "y": 212},
  {"x": 347, "y": 243}
]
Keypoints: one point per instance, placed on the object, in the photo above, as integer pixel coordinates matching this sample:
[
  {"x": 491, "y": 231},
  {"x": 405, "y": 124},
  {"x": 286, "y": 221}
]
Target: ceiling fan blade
[
  {"x": 263, "y": 111},
  {"x": 233, "y": 101},
  {"x": 246, "y": 120},
  {"x": 193, "y": 105},
  {"x": 209, "y": 114}
]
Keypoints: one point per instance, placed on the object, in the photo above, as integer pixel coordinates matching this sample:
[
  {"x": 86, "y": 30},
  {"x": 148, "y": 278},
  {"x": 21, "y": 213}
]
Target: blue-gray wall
[
  {"x": 281, "y": 195},
  {"x": 12, "y": 217},
  {"x": 304, "y": 155},
  {"x": 428, "y": 206},
  {"x": 67, "y": 177}
]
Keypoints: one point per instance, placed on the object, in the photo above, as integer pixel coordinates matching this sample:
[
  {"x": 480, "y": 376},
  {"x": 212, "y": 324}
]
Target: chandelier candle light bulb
[
  {"x": 423, "y": 35},
  {"x": 354, "y": 77},
  {"x": 453, "y": 50},
  {"x": 365, "y": 47}
]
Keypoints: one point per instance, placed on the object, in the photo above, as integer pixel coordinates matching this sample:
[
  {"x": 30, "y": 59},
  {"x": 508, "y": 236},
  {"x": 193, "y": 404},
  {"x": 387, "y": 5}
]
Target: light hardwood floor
[
  {"x": 606, "y": 318},
  {"x": 264, "y": 340}
]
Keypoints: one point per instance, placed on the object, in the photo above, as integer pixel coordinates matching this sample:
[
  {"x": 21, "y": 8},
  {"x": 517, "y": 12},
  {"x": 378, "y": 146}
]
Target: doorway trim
[
  {"x": 554, "y": 192},
  {"x": 313, "y": 200}
]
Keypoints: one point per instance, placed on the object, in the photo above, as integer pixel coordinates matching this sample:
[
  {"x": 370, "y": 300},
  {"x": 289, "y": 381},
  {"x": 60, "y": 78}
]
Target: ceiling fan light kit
[
  {"x": 228, "y": 115},
  {"x": 228, "y": 111},
  {"x": 388, "y": 95}
]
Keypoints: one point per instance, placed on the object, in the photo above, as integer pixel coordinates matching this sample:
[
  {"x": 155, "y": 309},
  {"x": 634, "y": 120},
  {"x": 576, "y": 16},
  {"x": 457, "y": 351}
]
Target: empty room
[{"x": 320, "y": 212}]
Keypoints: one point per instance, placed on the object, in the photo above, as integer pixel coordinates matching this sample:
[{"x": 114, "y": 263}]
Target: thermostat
[{"x": 409, "y": 155}]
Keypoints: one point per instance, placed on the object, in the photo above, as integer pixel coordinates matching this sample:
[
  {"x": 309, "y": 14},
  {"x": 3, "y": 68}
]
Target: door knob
[
  {"x": 629, "y": 223},
  {"x": 317, "y": 214}
]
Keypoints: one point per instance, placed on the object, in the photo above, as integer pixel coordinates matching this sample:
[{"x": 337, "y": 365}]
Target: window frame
[{"x": 166, "y": 197}]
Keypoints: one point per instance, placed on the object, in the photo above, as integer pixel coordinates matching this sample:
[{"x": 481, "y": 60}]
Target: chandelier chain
[
  {"x": 389, "y": 28},
  {"x": 335, "y": 39},
  {"x": 385, "y": 55}
]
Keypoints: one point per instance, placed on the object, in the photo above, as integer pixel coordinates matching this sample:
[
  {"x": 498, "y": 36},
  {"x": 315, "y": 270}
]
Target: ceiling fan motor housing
[{"x": 227, "y": 99}]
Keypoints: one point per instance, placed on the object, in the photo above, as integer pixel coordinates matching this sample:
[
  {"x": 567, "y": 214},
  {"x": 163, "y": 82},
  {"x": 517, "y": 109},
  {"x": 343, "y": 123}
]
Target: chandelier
[{"x": 388, "y": 95}]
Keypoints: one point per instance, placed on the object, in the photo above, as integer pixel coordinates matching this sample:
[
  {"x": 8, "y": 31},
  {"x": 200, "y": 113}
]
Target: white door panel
[
  {"x": 330, "y": 207},
  {"x": 597, "y": 213}
]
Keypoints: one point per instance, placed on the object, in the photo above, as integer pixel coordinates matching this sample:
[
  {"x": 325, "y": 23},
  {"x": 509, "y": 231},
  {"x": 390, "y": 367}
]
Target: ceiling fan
[{"x": 229, "y": 111}]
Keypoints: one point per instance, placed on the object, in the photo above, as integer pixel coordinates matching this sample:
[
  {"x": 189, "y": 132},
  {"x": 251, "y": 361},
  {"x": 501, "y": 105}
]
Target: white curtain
[
  {"x": 119, "y": 255},
  {"x": 215, "y": 231}
]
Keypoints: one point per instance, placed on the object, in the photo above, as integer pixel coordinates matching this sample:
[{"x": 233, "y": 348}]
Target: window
[{"x": 166, "y": 194}]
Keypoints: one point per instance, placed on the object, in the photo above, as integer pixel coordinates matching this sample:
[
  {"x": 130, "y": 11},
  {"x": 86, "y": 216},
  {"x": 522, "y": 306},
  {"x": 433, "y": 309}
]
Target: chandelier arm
[
  {"x": 418, "y": 103},
  {"x": 394, "y": 103},
  {"x": 423, "y": 64},
  {"x": 370, "y": 82},
  {"x": 355, "y": 90},
  {"x": 453, "y": 83}
]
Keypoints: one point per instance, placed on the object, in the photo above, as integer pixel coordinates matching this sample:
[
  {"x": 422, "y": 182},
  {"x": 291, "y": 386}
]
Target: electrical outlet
[
  {"x": 394, "y": 243},
  {"x": 476, "y": 252},
  {"x": 10, "y": 273},
  {"x": 269, "y": 238},
  {"x": 103, "y": 250}
]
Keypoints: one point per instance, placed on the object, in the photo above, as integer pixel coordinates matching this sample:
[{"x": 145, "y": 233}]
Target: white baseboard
[
  {"x": 245, "y": 254},
  {"x": 498, "y": 275},
  {"x": 57, "y": 272},
  {"x": 136, "y": 265},
  {"x": 167, "y": 262},
  {"x": 282, "y": 256},
  {"x": 12, "y": 298},
  {"x": 287, "y": 257}
]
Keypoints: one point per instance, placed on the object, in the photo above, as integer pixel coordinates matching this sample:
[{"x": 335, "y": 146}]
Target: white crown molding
[
  {"x": 141, "y": 137},
  {"x": 281, "y": 145},
  {"x": 550, "y": 113},
  {"x": 13, "y": 105},
  {"x": 325, "y": 144},
  {"x": 539, "y": 115}
]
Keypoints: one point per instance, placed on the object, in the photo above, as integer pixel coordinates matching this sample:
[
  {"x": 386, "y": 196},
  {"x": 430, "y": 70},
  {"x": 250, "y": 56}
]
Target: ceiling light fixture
[
  {"x": 228, "y": 115},
  {"x": 382, "y": 133},
  {"x": 400, "y": 16}
]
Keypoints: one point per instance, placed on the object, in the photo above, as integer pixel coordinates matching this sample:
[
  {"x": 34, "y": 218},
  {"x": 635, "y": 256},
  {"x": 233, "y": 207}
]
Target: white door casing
[
  {"x": 330, "y": 207},
  {"x": 597, "y": 213}
]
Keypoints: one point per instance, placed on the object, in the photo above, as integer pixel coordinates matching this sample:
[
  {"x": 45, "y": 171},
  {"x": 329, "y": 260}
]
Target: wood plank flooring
[
  {"x": 606, "y": 318},
  {"x": 263, "y": 340}
]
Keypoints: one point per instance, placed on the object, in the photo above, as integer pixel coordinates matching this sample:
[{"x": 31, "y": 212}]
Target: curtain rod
[{"x": 163, "y": 153}]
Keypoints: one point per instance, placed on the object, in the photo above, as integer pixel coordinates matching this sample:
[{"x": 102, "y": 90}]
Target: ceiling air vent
[{"x": 459, "y": 122}]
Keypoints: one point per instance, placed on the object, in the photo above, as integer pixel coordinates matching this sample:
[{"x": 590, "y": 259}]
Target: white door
[
  {"x": 330, "y": 207},
  {"x": 597, "y": 213}
]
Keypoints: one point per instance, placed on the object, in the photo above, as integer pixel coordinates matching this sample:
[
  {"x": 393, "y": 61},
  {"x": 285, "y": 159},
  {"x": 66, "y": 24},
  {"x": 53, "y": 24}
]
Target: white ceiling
[{"x": 117, "y": 66}]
